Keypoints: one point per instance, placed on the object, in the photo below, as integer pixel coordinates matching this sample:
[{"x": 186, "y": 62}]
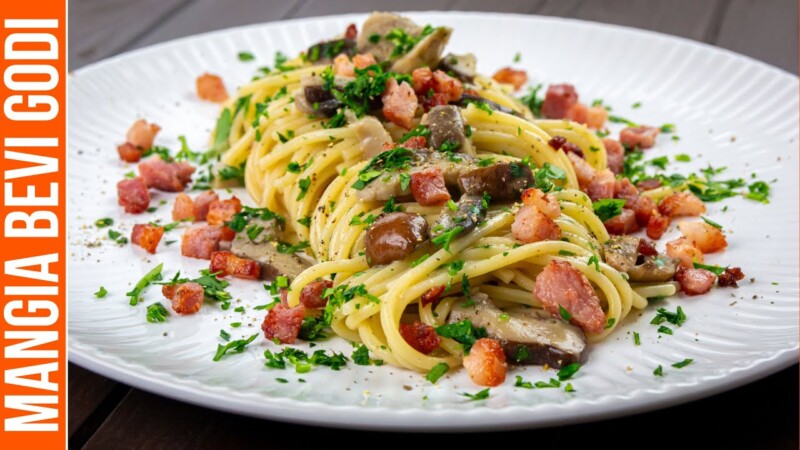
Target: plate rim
[{"x": 424, "y": 420}]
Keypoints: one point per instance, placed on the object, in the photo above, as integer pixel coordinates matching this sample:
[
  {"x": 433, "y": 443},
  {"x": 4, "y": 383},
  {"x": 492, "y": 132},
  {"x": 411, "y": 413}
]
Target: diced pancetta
[
  {"x": 187, "y": 298},
  {"x": 532, "y": 225},
  {"x": 601, "y": 186},
  {"x": 681, "y": 204},
  {"x": 312, "y": 294},
  {"x": 147, "y": 236},
  {"x": 560, "y": 285},
  {"x": 615, "y": 155},
  {"x": 559, "y": 100},
  {"x": 399, "y": 103},
  {"x": 428, "y": 188},
  {"x": 142, "y": 134},
  {"x": 420, "y": 337},
  {"x": 283, "y": 323},
  {"x": 210, "y": 87},
  {"x": 200, "y": 241},
  {"x": 166, "y": 176},
  {"x": 514, "y": 77},
  {"x": 695, "y": 281},
  {"x": 687, "y": 253},
  {"x": 227, "y": 264},
  {"x": 707, "y": 238},
  {"x": 133, "y": 195},
  {"x": 486, "y": 363},
  {"x": 641, "y": 137}
]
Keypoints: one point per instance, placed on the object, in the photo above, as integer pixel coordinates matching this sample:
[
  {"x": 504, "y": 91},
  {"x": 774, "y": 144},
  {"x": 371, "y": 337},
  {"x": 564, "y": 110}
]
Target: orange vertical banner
[{"x": 32, "y": 236}]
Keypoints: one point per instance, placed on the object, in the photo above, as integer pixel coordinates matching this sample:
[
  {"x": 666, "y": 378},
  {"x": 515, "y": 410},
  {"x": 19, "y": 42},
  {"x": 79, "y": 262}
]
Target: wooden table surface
[{"x": 105, "y": 414}]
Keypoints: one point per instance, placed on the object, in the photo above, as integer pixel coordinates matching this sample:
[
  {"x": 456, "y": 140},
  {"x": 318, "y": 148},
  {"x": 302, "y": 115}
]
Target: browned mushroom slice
[
  {"x": 462, "y": 66},
  {"x": 622, "y": 253},
  {"x": 502, "y": 181},
  {"x": 394, "y": 236},
  {"x": 447, "y": 129},
  {"x": 528, "y": 336}
]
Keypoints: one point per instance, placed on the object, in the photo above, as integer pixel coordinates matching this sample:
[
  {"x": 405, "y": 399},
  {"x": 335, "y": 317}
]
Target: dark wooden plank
[
  {"x": 101, "y": 28},
  {"x": 687, "y": 18},
  {"x": 507, "y": 6},
  {"x": 764, "y": 29},
  {"x": 208, "y": 15},
  {"x": 144, "y": 421},
  {"x": 312, "y": 8},
  {"x": 87, "y": 391}
]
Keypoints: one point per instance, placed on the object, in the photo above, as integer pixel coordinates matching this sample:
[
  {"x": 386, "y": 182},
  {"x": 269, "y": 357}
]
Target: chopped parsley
[
  {"x": 594, "y": 261},
  {"x": 523, "y": 384},
  {"x": 568, "y": 371},
  {"x": 305, "y": 221},
  {"x": 444, "y": 239},
  {"x": 682, "y": 364},
  {"x": 610, "y": 323},
  {"x": 246, "y": 56},
  {"x": 717, "y": 270},
  {"x": 758, "y": 191},
  {"x": 665, "y": 330},
  {"x": 390, "y": 206},
  {"x": 683, "y": 157},
  {"x": 102, "y": 292},
  {"x": 481, "y": 395},
  {"x": 104, "y": 222},
  {"x": 617, "y": 119},
  {"x": 392, "y": 160},
  {"x": 544, "y": 177},
  {"x": 564, "y": 313},
  {"x": 663, "y": 315},
  {"x": 659, "y": 371},
  {"x": 303, "y": 184},
  {"x": 236, "y": 346},
  {"x": 608, "y": 208},
  {"x": 419, "y": 130},
  {"x": 239, "y": 221},
  {"x": 420, "y": 260},
  {"x": 636, "y": 339},
  {"x": 533, "y": 100},
  {"x": 285, "y": 247},
  {"x": 437, "y": 372},
  {"x": 711, "y": 222},
  {"x": 153, "y": 275},
  {"x": 157, "y": 313},
  {"x": 462, "y": 332},
  {"x": 404, "y": 42},
  {"x": 302, "y": 361}
]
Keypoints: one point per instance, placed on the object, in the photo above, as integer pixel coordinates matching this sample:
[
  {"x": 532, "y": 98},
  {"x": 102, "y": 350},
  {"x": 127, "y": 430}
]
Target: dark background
[{"x": 104, "y": 414}]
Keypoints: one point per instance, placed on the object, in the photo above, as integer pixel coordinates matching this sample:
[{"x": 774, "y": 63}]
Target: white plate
[{"x": 729, "y": 111}]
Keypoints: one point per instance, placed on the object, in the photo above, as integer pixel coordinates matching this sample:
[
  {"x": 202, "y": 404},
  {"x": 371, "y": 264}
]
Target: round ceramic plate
[{"x": 728, "y": 110}]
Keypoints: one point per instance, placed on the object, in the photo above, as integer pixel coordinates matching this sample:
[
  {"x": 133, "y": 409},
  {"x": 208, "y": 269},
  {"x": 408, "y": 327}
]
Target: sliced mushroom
[
  {"x": 390, "y": 185},
  {"x": 272, "y": 262},
  {"x": 372, "y": 135},
  {"x": 380, "y": 24},
  {"x": 325, "y": 51},
  {"x": 466, "y": 99},
  {"x": 315, "y": 99},
  {"x": 262, "y": 247},
  {"x": 462, "y": 66},
  {"x": 621, "y": 252},
  {"x": 502, "y": 181},
  {"x": 447, "y": 129},
  {"x": 470, "y": 211},
  {"x": 528, "y": 336},
  {"x": 394, "y": 236},
  {"x": 427, "y": 52},
  {"x": 654, "y": 269}
]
